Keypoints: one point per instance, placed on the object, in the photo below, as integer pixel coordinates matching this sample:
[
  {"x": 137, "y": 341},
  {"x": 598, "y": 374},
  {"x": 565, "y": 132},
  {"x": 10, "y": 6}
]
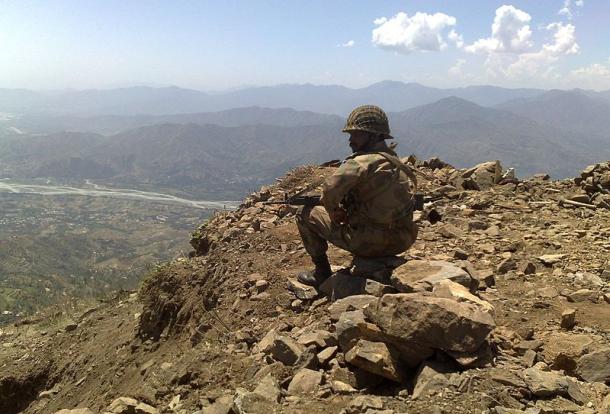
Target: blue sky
[{"x": 217, "y": 45}]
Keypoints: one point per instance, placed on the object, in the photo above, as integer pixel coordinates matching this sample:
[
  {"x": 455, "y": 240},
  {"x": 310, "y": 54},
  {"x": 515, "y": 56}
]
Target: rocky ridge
[{"x": 500, "y": 307}]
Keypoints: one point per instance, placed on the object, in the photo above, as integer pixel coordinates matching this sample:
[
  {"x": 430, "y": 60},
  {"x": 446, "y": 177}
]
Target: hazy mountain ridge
[
  {"x": 586, "y": 117},
  {"x": 333, "y": 99},
  {"x": 465, "y": 133},
  {"x": 209, "y": 160},
  {"x": 114, "y": 124}
]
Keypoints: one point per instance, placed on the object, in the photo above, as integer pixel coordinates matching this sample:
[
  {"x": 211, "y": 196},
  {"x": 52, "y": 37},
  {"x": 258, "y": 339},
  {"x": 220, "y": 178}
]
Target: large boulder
[
  {"x": 352, "y": 326},
  {"x": 482, "y": 176},
  {"x": 422, "y": 275},
  {"x": 595, "y": 366},
  {"x": 562, "y": 350},
  {"x": 431, "y": 322}
]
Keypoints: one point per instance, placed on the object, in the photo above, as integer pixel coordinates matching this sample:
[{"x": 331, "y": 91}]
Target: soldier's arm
[{"x": 340, "y": 183}]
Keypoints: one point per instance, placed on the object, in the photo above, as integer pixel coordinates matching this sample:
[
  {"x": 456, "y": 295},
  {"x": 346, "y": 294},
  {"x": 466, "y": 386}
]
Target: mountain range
[
  {"x": 228, "y": 153},
  {"x": 332, "y": 99}
]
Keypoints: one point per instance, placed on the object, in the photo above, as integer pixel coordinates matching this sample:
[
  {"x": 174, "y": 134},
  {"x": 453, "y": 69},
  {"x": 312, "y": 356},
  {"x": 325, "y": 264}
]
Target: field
[{"x": 56, "y": 247}]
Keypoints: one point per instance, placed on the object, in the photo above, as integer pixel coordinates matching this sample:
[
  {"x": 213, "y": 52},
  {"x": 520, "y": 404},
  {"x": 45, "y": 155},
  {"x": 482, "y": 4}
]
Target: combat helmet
[{"x": 368, "y": 118}]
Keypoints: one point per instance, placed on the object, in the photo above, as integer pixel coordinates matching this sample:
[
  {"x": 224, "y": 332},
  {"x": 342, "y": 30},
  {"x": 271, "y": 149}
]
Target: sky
[{"x": 220, "y": 45}]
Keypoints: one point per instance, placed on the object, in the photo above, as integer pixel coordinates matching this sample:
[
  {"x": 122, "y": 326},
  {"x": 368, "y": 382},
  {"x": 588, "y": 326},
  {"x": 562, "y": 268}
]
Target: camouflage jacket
[{"x": 372, "y": 189}]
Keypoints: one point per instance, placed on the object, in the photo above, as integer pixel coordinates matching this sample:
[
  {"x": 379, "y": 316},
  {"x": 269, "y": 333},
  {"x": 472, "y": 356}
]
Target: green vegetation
[{"x": 53, "y": 247}]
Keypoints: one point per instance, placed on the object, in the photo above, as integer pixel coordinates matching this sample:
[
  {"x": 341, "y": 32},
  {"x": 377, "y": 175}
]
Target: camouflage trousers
[{"x": 317, "y": 230}]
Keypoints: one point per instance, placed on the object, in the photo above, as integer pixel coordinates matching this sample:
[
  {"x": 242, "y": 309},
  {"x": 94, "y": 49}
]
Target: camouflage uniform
[{"x": 377, "y": 198}]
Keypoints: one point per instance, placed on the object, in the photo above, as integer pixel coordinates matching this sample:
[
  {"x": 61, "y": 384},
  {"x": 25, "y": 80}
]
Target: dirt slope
[{"x": 188, "y": 341}]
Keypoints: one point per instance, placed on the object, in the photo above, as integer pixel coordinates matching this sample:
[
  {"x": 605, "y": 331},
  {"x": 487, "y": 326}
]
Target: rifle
[{"x": 298, "y": 200}]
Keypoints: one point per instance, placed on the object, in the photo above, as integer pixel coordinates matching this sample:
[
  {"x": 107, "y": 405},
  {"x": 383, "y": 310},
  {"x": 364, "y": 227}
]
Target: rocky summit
[{"x": 501, "y": 306}]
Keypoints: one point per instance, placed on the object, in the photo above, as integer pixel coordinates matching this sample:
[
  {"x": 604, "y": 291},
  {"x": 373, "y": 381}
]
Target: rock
[
  {"x": 482, "y": 176},
  {"x": 548, "y": 292},
  {"x": 269, "y": 389},
  {"x": 122, "y": 405},
  {"x": 506, "y": 266},
  {"x": 595, "y": 366},
  {"x": 376, "y": 358},
  {"x": 282, "y": 348},
  {"x": 450, "y": 231},
  {"x": 377, "y": 289},
  {"x": 308, "y": 358},
  {"x": 568, "y": 319},
  {"x": 70, "y": 327},
  {"x": 582, "y": 295},
  {"x": 222, "y": 405},
  {"x": 529, "y": 358},
  {"x": 506, "y": 377},
  {"x": 452, "y": 290},
  {"x": 429, "y": 379},
  {"x": 350, "y": 303},
  {"x": 261, "y": 285},
  {"x": 486, "y": 278},
  {"x": 365, "y": 404},
  {"x": 545, "y": 384},
  {"x": 319, "y": 338},
  {"x": 341, "y": 285},
  {"x": 422, "y": 275},
  {"x": 126, "y": 405},
  {"x": 460, "y": 254},
  {"x": 428, "y": 321},
  {"x": 551, "y": 259},
  {"x": 352, "y": 326},
  {"x": 562, "y": 350},
  {"x": 340, "y": 387},
  {"x": 246, "y": 402},
  {"x": 305, "y": 381},
  {"x": 75, "y": 411},
  {"x": 527, "y": 268},
  {"x": 301, "y": 291},
  {"x": 480, "y": 358},
  {"x": 327, "y": 354}
]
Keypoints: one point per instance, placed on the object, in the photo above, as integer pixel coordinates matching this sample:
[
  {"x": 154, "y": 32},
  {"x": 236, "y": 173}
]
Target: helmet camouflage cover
[{"x": 368, "y": 118}]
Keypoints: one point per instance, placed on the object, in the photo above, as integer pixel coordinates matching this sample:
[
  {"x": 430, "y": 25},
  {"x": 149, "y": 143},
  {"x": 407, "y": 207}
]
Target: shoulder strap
[{"x": 401, "y": 166}]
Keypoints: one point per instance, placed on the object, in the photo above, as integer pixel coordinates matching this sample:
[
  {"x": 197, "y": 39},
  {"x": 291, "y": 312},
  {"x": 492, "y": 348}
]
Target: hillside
[
  {"x": 228, "y": 330},
  {"x": 465, "y": 133},
  {"x": 586, "y": 118}
]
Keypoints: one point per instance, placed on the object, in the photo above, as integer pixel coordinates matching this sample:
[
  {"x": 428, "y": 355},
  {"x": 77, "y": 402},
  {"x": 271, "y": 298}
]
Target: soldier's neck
[{"x": 379, "y": 146}]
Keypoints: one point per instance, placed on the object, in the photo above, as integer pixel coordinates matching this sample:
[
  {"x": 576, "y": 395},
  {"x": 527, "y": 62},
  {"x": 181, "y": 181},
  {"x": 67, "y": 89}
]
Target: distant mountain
[
  {"x": 123, "y": 101},
  {"x": 331, "y": 99},
  {"x": 114, "y": 124},
  {"x": 219, "y": 161},
  {"x": 585, "y": 117},
  {"x": 197, "y": 160},
  {"x": 464, "y": 133}
]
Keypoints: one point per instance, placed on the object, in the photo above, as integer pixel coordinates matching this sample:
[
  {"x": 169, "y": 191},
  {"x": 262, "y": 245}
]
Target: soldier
[{"x": 367, "y": 204}]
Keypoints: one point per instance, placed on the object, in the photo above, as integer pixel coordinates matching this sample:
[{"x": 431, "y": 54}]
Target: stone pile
[{"x": 595, "y": 183}]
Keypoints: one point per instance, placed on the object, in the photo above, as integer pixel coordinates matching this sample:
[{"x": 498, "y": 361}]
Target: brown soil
[{"x": 190, "y": 330}]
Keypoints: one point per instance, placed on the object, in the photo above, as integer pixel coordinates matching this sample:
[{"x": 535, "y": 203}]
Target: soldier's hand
[{"x": 339, "y": 216}]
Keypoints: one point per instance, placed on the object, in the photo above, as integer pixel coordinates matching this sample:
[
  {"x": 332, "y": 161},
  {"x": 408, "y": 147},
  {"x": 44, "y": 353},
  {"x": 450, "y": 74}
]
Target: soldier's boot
[{"x": 318, "y": 275}]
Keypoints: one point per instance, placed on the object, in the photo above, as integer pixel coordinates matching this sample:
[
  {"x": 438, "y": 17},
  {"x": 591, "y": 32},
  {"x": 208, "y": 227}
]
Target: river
[{"x": 8, "y": 186}]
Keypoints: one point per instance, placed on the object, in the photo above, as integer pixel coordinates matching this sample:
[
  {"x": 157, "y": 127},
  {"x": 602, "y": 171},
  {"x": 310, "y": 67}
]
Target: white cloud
[
  {"x": 456, "y": 38},
  {"x": 421, "y": 32},
  {"x": 564, "y": 43},
  {"x": 456, "y": 70},
  {"x": 349, "y": 43},
  {"x": 567, "y": 8},
  {"x": 594, "y": 70},
  {"x": 510, "y": 33}
]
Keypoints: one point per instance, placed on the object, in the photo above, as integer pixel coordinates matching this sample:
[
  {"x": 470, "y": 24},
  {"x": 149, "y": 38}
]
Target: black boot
[{"x": 315, "y": 277}]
